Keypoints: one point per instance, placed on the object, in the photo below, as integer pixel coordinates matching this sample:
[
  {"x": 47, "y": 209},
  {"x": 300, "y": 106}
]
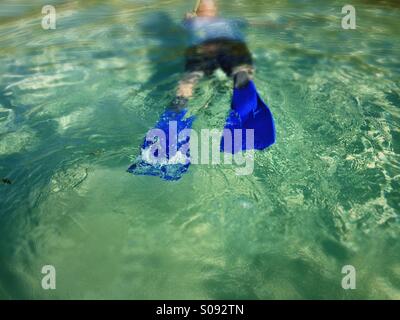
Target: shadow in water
[{"x": 166, "y": 45}]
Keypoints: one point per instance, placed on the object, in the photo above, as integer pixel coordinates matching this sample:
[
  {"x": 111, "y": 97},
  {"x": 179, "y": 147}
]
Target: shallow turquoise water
[{"x": 76, "y": 102}]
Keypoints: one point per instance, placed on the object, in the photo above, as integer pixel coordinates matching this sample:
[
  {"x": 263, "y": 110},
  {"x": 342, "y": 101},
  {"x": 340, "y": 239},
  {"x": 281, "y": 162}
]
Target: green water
[{"x": 76, "y": 102}]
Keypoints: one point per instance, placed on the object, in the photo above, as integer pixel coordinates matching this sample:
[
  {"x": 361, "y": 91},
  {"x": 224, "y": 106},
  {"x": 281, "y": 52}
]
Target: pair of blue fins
[{"x": 160, "y": 155}]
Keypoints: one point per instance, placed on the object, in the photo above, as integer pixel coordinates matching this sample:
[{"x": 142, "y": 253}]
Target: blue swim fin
[
  {"x": 165, "y": 151},
  {"x": 248, "y": 112}
]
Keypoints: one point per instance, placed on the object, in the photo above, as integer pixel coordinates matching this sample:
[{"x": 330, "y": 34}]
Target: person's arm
[{"x": 272, "y": 24}]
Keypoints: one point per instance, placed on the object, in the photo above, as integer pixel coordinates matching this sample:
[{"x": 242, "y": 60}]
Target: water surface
[{"x": 76, "y": 102}]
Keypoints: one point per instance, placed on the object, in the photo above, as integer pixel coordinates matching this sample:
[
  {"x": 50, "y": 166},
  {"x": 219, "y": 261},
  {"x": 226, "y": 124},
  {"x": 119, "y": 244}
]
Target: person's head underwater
[{"x": 207, "y": 8}]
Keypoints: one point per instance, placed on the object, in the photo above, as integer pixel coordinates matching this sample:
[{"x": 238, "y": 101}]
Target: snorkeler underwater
[{"x": 199, "y": 150}]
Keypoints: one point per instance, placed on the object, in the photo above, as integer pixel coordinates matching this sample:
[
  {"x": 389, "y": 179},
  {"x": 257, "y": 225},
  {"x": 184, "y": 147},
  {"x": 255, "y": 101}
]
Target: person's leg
[
  {"x": 185, "y": 89},
  {"x": 236, "y": 61},
  {"x": 200, "y": 61},
  {"x": 242, "y": 74},
  {"x": 187, "y": 84}
]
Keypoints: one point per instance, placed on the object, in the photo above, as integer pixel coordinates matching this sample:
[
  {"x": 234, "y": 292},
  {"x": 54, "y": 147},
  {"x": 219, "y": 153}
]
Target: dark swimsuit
[
  {"x": 218, "y": 53},
  {"x": 216, "y": 43}
]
